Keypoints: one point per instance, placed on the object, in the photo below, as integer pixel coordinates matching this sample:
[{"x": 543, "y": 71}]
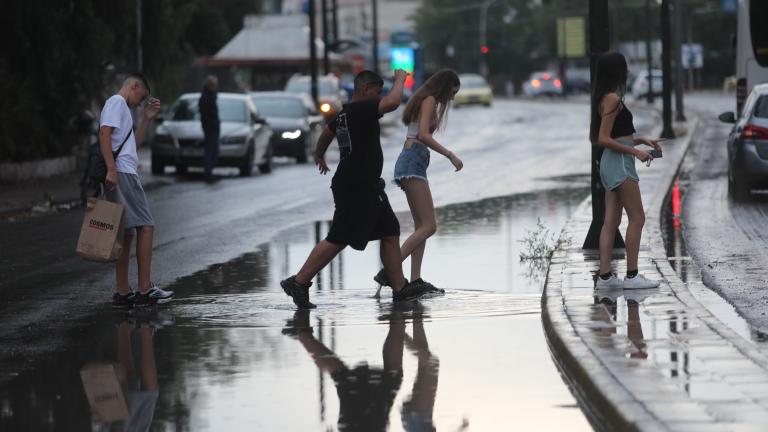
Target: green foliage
[{"x": 61, "y": 58}]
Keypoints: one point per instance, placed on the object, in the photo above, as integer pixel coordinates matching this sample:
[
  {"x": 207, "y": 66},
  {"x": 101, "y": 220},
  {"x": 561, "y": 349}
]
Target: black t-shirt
[{"x": 357, "y": 132}]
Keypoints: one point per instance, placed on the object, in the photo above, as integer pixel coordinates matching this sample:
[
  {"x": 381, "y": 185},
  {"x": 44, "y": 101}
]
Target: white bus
[{"x": 751, "y": 48}]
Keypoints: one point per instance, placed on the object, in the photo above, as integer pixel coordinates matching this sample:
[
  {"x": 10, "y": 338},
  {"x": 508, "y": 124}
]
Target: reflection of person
[
  {"x": 634, "y": 326},
  {"x": 426, "y": 112},
  {"x": 612, "y": 128},
  {"x": 363, "y": 212},
  {"x": 142, "y": 383},
  {"x": 366, "y": 394},
  {"x": 124, "y": 187},
  {"x": 209, "y": 117}
]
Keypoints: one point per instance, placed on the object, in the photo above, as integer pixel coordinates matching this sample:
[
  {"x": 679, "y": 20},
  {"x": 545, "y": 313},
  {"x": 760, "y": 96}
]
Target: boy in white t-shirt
[{"x": 123, "y": 186}]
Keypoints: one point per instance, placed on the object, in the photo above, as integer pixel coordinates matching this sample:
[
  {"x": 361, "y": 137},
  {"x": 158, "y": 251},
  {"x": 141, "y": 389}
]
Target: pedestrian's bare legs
[
  {"x": 320, "y": 256},
  {"x": 393, "y": 266},
  {"x": 629, "y": 195},
  {"x": 123, "y": 262},
  {"x": 147, "y": 358},
  {"x": 608, "y": 231},
  {"x": 425, "y": 223},
  {"x": 425, "y": 386},
  {"x": 144, "y": 240}
]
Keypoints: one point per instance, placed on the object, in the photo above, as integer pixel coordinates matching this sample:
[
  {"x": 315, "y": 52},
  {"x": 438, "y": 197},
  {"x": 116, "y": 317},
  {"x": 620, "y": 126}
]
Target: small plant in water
[{"x": 538, "y": 244}]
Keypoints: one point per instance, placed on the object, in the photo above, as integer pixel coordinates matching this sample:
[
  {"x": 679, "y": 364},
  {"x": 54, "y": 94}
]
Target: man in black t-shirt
[{"x": 362, "y": 210}]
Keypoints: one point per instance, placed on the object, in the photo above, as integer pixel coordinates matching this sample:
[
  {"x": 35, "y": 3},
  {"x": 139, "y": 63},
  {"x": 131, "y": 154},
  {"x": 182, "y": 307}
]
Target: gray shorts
[{"x": 130, "y": 194}]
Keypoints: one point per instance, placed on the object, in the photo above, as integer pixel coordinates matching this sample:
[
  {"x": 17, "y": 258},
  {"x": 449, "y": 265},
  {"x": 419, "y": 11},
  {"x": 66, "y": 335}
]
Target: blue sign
[{"x": 729, "y": 6}]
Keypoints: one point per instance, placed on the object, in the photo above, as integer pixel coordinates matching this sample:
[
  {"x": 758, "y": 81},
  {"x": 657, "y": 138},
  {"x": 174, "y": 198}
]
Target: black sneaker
[
  {"x": 429, "y": 288},
  {"x": 381, "y": 278},
  {"x": 120, "y": 301},
  {"x": 411, "y": 291},
  {"x": 299, "y": 292},
  {"x": 299, "y": 323},
  {"x": 152, "y": 297}
]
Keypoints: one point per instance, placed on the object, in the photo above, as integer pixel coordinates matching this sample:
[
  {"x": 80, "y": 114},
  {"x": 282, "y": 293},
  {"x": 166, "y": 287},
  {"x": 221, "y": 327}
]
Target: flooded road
[{"x": 233, "y": 354}]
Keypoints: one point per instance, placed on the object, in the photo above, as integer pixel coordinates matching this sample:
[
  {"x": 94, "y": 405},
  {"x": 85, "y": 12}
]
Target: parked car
[
  {"x": 295, "y": 122},
  {"x": 245, "y": 136},
  {"x": 330, "y": 95},
  {"x": 748, "y": 145},
  {"x": 640, "y": 83},
  {"x": 474, "y": 89},
  {"x": 543, "y": 83}
]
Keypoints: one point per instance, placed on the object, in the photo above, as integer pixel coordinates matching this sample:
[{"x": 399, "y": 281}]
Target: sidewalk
[
  {"x": 649, "y": 360},
  {"x": 61, "y": 193}
]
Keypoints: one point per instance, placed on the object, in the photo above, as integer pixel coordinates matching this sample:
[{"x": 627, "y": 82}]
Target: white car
[
  {"x": 640, "y": 84},
  {"x": 543, "y": 83},
  {"x": 244, "y": 138}
]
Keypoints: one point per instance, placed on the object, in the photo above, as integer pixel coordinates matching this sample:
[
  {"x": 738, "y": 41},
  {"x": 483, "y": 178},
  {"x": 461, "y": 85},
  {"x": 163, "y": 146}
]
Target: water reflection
[{"x": 366, "y": 394}]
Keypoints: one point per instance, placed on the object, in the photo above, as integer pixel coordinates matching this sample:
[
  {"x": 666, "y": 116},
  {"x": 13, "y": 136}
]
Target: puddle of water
[{"x": 233, "y": 354}]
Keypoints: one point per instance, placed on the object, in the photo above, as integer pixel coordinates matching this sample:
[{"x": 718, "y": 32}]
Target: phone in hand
[{"x": 655, "y": 153}]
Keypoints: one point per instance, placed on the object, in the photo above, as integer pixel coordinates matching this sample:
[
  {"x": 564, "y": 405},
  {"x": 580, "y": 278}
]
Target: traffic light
[{"x": 484, "y": 49}]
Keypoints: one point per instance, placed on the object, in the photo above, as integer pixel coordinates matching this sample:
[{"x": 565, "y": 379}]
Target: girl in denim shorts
[
  {"x": 425, "y": 113},
  {"x": 612, "y": 128}
]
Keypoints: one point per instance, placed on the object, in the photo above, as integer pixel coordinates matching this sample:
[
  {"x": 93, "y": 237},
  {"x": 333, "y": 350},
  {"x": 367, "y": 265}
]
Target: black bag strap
[{"x": 119, "y": 149}]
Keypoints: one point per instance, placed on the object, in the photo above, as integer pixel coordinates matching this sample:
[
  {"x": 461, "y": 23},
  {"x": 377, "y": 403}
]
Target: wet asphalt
[{"x": 232, "y": 353}]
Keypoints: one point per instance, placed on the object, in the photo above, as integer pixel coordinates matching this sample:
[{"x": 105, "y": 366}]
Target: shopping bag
[
  {"x": 101, "y": 235},
  {"x": 104, "y": 393}
]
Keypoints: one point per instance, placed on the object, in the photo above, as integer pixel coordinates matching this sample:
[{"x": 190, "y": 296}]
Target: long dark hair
[
  {"x": 440, "y": 86},
  {"x": 610, "y": 77}
]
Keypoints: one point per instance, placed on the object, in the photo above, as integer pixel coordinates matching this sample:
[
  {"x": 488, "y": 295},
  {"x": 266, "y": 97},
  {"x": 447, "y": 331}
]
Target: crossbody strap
[{"x": 119, "y": 149}]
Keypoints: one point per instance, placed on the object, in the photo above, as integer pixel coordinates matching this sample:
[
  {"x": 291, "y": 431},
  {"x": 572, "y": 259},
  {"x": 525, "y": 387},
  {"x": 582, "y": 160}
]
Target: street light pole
[
  {"x": 599, "y": 34},
  {"x": 677, "y": 41},
  {"x": 666, "y": 70},
  {"x": 375, "y": 17},
  {"x": 648, "y": 53},
  {"x": 324, "y": 21},
  {"x": 312, "y": 50},
  {"x": 139, "y": 48},
  {"x": 335, "y": 20},
  {"x": 483, "y": 30}
]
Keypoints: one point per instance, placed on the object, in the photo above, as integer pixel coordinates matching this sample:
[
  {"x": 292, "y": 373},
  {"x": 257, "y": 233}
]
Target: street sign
[
  {"x": 729, "y": 6},
  {"x": 692, "y": 56},
  {"x": 571, "y": 37}
]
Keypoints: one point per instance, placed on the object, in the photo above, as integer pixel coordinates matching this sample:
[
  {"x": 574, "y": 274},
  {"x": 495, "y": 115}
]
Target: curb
[{"x": 608, "y": 405}]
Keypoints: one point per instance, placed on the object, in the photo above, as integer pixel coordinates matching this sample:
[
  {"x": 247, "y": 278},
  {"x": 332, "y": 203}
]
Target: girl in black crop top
[{"x": 612, "y": 129}]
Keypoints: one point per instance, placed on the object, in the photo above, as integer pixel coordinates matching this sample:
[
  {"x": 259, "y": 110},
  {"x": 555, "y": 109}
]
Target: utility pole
[
  {"x": 375, "y": 13},
  {"x": 139, "y": 48},
  {"x": 335, "y": 20},
  {"x": 678, "y": 53},
  {"x": 324, "y": 21},
  {"x": 312, "y": 50},
  {"x": 648, "y": 53},
  {"x": 666, "y": 70},
  {"x": 599, "y": 41},
  {"x": 483, "y": 69}
]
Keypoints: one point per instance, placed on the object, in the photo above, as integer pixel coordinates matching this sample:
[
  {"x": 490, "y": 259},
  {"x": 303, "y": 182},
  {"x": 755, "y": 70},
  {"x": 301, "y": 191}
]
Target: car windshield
[
  {"x": 230, "y": 110},
  {"x": 761, "y": 107},
  {"x": 302, "y": 86},
  {"x": 472, "y": 83},
  {"x": 286, "y": 107}
]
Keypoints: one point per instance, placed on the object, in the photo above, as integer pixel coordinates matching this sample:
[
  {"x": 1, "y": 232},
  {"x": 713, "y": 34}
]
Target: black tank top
[{"x": 622, "y": 125}]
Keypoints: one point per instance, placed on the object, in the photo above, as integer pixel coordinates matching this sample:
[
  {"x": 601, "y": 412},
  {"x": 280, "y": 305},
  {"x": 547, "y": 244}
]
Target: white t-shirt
[{"x": 116, "y": 114}]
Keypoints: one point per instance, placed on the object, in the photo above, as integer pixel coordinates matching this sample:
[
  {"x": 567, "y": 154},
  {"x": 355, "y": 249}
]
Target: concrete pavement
[{"x": 649, "y": 360}]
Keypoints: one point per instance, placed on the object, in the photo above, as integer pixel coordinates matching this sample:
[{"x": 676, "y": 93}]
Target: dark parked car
[
  {"x": 295, "y": 122},
  {"x": 748, "y": 145},
  {"x": 245, "y": 136}
]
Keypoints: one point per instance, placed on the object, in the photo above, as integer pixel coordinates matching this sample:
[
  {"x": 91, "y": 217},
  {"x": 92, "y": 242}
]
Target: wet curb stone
[{"x": 670, "y": 366}]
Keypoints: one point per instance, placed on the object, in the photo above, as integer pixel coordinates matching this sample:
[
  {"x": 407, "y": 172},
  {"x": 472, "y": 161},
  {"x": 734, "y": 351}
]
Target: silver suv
[{"x": 245, "y": 136}]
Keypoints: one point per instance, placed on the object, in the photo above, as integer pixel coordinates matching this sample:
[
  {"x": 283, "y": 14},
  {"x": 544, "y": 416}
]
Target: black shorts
[{"x": 362, "y": 214}]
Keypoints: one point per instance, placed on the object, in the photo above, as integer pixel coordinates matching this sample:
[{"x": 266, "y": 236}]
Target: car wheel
[
  {"x": 181, "y": 169},
  {"x": 738, "y": 188},
  {"x": 158, "y": 167}
]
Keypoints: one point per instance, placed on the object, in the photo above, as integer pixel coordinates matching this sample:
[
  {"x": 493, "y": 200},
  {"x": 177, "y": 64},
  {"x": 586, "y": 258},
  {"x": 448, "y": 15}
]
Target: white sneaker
[
  {"x": 610, "y": 283},
  {"x": 640, "y": 282}
]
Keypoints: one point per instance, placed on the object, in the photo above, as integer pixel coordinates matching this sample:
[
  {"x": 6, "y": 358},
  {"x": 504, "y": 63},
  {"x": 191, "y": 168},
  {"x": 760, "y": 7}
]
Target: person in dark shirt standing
[
  {"x": 209, "y": 117},
  {"x": 363, "y": 212}
]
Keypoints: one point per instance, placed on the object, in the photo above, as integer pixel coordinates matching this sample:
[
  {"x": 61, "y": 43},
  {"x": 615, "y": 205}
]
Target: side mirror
[{"x": 727, "y": 117}]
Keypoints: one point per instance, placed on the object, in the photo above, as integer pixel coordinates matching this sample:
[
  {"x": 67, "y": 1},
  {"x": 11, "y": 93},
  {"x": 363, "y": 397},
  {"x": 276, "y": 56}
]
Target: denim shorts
[
  {"x": 412, "y": 163},
  {"x": 616, "y": 168}
]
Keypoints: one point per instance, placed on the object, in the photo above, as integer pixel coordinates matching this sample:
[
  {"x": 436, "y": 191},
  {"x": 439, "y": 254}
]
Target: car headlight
[
  {"x": 234, "y": 140},
  {"x": 291, "y": 135},
  {"x": 326, "y": 107}
]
